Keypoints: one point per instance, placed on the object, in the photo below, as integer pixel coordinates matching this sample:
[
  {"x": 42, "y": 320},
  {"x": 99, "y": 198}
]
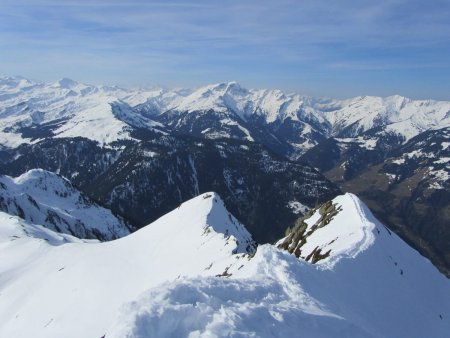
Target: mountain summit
[
  {"x": 82, "y": 281},
  {"x": 195, "y": 272}
]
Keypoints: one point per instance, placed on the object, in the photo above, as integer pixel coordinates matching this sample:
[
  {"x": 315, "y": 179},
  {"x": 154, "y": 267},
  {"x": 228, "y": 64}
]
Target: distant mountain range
[{"x": 291, "y": 123}]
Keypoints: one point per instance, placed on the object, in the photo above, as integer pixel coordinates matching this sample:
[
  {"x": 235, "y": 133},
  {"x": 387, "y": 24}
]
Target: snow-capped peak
[
  {"x": 82, "y": 110},
  {"x": 68, "y": 109},
  {"x": 207, "y": 220},
  {"x": 82, "y": 281},
  {"x": 15, "y": 81},
  {"x": 220, "y": 97},
  {"x": 222, "y": 88}
]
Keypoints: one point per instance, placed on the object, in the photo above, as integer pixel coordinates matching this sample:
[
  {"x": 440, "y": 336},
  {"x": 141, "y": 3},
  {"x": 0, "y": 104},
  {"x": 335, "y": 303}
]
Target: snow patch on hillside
[{"x": 297, "y": 207}]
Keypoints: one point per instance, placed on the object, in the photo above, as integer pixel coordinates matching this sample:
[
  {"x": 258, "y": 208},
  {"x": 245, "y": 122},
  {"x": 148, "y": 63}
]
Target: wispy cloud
[{"x": 252, "y": 41}]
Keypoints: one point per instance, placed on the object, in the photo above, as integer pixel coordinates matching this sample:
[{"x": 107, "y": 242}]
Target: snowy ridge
[
  {"x": 337, "y": 230},
  {"x": 42, "y": 197},
  {"x": 14, "y": 228},
  {"x": 265, "y": 301},
  {"x": 402, "y": 115},
  {"x": 92, "y": 280},
  {"x": 190, "y": 274},
  {"x": 222, "y": 97},
  {"x": 397, "y": 114},
  {"x": 278, "y": 295}
]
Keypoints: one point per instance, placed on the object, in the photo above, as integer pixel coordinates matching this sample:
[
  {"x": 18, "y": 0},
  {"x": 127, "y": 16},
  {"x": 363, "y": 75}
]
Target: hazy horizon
[
  {"x": 193, "y": 88},
  {"x": 327, "y": 49}
]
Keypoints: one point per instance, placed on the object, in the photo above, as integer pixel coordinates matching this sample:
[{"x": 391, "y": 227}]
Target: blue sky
[{"x": 336, "y": 48}]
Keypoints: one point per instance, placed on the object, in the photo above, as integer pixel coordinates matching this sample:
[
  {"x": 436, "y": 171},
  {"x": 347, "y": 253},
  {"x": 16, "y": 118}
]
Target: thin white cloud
[{"x": 245, "y": 37}]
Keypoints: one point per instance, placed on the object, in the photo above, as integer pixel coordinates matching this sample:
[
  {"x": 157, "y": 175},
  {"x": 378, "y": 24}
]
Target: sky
[{"x": 333, "y": 48}]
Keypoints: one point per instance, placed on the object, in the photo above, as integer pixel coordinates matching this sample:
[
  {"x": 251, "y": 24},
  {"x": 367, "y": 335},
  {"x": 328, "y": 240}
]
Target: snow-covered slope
[
  {"x": 371, "y": 285},
  {"x": 30, "y": 111},
  {"x": 76, "y": 289},
  {"x": 427, "y": 155},
  {"x": 42, "y": 197},
  {"x": 189, "y": 274}
]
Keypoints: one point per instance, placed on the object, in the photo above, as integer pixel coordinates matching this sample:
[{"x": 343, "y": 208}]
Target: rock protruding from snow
[
  {"x": 341, "y": 228},
  {"x": 202, "y": 221},
  {"x": 42, "y": 197}
]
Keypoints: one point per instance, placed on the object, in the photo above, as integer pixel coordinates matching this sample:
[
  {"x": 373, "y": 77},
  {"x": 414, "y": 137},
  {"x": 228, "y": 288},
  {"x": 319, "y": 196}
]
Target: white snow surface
[
  {"x": 76, "y": 289},
  {"x": 373, "y": 285},
  {"x": 75, "y": 109},
  {"x": 105, "y": 114},
  {"x": 161, "y": 281},
  {"x": 50, "y": 200}
]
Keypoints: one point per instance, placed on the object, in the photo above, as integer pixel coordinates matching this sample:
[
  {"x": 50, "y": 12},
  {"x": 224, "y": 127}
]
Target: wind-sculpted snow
[
  {"x": 195, "y": 273},
  {"x": 267, "y": 303},
  {"x": 372, "y": 285},
  {"x": 45, "y": 198}
]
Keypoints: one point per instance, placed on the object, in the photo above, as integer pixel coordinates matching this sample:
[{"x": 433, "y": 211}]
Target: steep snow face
[
  {"x": 42, "y": 197},
  {"x": 83, "y": 285},
  {"x": 371, "y": 285}
]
